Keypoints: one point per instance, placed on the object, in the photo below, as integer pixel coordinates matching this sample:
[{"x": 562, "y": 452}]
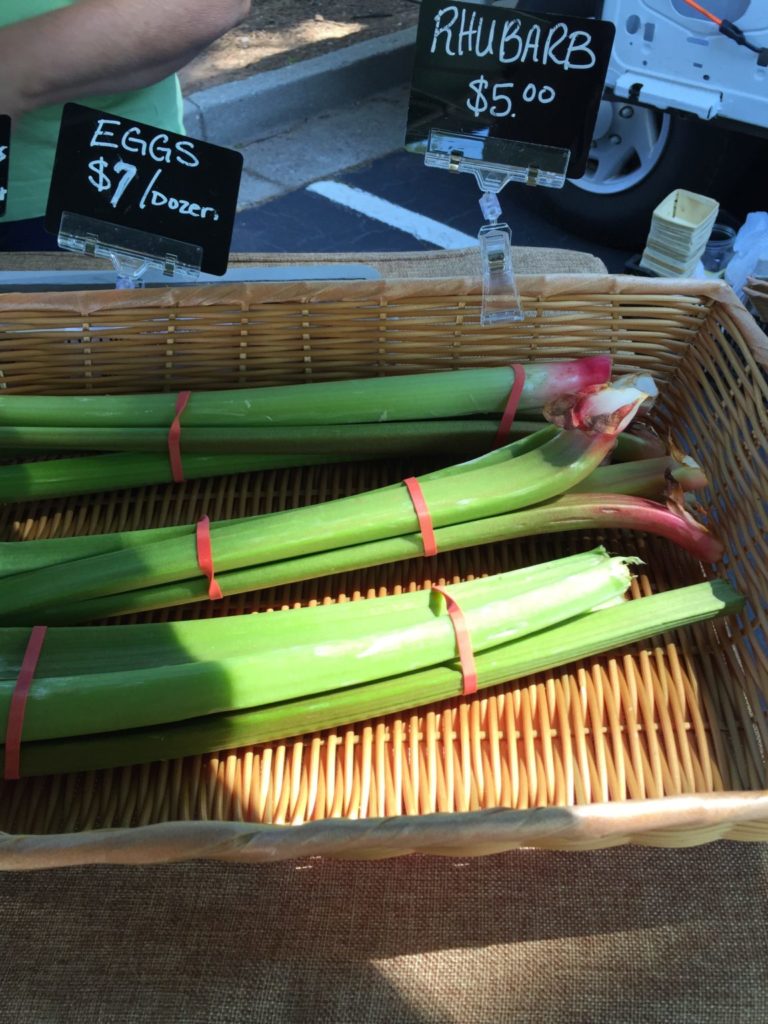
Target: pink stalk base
[
  {"x": 551, "y": 380},
  {"x": 615, "y": 511}
]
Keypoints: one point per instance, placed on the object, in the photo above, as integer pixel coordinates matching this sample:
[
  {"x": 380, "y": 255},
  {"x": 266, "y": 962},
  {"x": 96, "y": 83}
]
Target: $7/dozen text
[
  {"x": 102, "y": 179},
  {"x": 500, "y": 103}
]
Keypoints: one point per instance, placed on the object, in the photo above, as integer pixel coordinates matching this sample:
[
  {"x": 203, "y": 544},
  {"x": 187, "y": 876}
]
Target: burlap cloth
[
  {"x": 437, "y": 263},
  {"x": 624, "y": 936}
]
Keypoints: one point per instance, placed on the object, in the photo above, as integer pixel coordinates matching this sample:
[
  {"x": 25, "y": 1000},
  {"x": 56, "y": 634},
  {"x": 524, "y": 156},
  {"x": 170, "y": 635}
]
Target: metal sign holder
[
  {"x": 495, "y": 162},
  {"x": 131, "y": 252}
]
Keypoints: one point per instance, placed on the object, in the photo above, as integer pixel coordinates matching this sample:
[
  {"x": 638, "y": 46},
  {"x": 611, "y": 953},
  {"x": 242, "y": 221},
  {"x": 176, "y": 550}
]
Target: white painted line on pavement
[{"x": 424, "y": 228}]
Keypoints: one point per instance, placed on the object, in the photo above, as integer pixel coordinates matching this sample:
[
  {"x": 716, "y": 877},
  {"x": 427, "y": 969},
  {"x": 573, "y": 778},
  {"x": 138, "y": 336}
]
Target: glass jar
[{"x": 719, "y": 249}]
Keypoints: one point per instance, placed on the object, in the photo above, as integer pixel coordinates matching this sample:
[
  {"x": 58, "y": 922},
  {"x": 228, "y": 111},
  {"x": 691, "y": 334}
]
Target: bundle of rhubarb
[
  {"x": 157, "y": 438},
  {"x": 550, "y": 481},
  {"x": 112, "y": 695}
]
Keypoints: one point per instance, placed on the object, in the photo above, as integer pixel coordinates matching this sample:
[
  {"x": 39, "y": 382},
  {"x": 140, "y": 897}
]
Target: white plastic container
[{"x": 680, "y": 228}]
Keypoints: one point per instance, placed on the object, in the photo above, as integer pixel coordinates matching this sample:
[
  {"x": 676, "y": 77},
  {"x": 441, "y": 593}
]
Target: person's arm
[{"x": 98, "y": 46}]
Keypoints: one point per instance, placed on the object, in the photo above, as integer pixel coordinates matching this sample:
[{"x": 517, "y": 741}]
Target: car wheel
[{"x": 638, "y": 156}]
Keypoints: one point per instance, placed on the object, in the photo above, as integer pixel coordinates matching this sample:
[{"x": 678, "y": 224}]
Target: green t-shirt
[{"x": 33, "y": 142}]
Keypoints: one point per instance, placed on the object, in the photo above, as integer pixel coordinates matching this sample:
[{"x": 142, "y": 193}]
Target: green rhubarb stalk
[
  {"x": 569, "y": 512},
  {"x": 363, "y": 439},
  {"x": 540, "y": 474},
  {"x": 543, "y": 472},
  {"x": 470, "y": 436},
  {"x": 60, "y": 478},
  {"x": 454, "y": 394},
  {"x": 87, "y": 649},
  {"x": 639, "y": 443},
  {"x": 18, "y": 557},
  {"x": 645, "y": 479},
  {"x": 585, "y": 636},
  {"x": 631, "y": 446},
  {"x": 328, "y": 650}
]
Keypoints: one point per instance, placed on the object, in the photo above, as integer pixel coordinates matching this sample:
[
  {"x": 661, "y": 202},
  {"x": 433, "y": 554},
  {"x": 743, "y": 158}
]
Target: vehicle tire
[{"x": 638, "y": 157}]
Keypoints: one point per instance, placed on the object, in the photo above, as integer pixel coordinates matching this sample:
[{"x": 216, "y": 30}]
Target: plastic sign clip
[
  {"x": 500, "y": 299},
  {"x": 500, "y": 302}
]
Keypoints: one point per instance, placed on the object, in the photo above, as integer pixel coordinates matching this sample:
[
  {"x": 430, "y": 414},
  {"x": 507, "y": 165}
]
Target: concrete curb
[{"x": 239, "y": 113}]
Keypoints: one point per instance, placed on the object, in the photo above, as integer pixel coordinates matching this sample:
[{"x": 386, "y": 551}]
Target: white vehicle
[{"x": 686, "y": 106}]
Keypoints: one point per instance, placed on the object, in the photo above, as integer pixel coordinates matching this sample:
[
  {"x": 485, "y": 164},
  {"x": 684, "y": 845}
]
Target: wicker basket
[
  {"x": 663, "y": 743},
  {"x": 756, "y": 290}
]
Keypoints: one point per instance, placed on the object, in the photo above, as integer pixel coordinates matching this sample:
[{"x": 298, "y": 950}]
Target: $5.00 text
[{"x": 500, "y": 102}]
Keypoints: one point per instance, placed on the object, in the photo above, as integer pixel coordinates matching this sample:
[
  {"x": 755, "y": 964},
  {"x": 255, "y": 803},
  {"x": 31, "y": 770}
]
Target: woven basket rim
[
  {"x": 671, "y": 821},
  {"x": 541, "y": 286}
]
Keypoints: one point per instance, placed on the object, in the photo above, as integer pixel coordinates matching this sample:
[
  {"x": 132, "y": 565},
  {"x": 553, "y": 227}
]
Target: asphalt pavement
[
  {"x": 418, "y": 202},
  {"x": 325, "y": 169}
]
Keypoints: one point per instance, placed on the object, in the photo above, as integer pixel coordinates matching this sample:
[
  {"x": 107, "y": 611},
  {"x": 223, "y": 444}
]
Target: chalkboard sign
[
  {"x": 135, "y": 176},
  {"x": 5, "y": 159},
  {"x": 528, "y": 78}
]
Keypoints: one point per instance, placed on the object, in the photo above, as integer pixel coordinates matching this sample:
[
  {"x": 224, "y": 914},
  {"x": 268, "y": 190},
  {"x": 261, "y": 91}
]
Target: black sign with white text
[
  {"x": 5, "y": 159},
  {"x": 531, "y": 78},
  {"x": 135, "y": 176}
]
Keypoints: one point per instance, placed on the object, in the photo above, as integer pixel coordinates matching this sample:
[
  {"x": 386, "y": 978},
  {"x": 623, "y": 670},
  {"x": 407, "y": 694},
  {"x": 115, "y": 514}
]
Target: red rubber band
[
  {"x": 174, "y": 438},
  {"x": 510, "y": 409},
  {"x": 205, "y": 558},
  {"x": 463, "y": 643},
  {"x": 15, "y": 724},
  {"x": 422, "y": 514}
]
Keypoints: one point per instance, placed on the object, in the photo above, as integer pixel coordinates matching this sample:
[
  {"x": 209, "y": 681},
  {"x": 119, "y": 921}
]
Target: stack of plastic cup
[{"x": 680, "y": 228}]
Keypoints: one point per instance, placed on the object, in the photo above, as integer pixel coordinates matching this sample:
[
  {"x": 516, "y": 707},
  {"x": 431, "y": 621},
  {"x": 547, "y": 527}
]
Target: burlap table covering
[
  {"x": 436, "y": 263},
  {"x": 625, "y": 936}
]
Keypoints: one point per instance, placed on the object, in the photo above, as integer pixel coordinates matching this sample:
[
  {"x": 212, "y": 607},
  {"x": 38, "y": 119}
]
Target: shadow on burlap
[{"x": 624, "y": 936}]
